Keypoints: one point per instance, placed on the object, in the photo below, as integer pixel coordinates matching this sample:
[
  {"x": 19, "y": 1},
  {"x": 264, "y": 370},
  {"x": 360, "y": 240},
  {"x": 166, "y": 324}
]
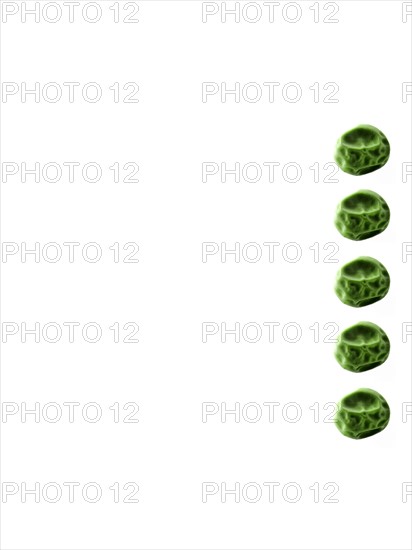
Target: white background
[{"x": 170, "y": 212}]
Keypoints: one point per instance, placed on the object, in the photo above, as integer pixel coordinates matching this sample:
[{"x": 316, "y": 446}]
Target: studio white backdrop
[{"x": 168, "y": 264}]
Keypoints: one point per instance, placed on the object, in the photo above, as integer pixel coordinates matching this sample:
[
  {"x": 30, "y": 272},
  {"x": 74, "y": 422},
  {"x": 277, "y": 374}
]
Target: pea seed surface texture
[
  {"x": 362, "y": 347},
  {"x": 362, "y": 413},
  {"x": 362, "y": 215},
  {"x": 362, "y": 150},
  {"x": 362, "y": 282}
]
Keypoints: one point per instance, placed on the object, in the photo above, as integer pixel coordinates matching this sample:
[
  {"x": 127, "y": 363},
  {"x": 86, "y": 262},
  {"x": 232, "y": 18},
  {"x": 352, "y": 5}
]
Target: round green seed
[
  {"x": 362, "y": 413},
  {"x": 362, "y": 215},
  {"x": 362, "y": 347},
  {"x": 362, "y": 150},
  {"x": 362, "y": 282}
]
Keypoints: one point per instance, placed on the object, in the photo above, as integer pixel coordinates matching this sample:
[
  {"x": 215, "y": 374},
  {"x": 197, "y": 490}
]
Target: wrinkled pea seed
[
  {"x": 362, "y": 215},
  {"x": 362, "y": 282},
  {"x": 362, "y": 347},
  {"x": 362, "y": 150},
  {"x": 362, "y": 413}
]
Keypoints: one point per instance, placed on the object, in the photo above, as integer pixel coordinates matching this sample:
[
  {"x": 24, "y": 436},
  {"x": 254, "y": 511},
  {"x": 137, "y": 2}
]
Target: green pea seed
[
  {"x": 362, "y": 282},
  {"x": 362, "y": 150},
  {"x": 362, "y": 347},
  {"x": 362, "y": 215},
  {"x": 362, "y": 413}
]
